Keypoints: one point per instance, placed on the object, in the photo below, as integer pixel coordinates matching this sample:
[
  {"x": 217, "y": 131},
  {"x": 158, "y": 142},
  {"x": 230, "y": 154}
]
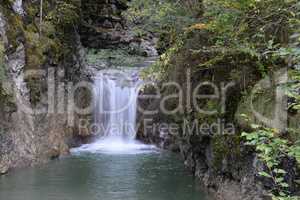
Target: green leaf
[
  {"x": 285, "y": 185},
  {"x": 279, "y": 180},
  {"x": 265, "y": 174},
  {"x": 282, "y": 194},
  {"x": 255, "y": 126},
  {"x": 244, "y": 134},
  {"x": 279, "y": 171},
  {"x": 296, "y": 107}
]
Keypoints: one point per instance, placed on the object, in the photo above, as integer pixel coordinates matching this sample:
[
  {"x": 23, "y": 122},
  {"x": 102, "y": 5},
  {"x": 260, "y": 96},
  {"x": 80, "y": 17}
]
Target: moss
[
  {"x": 34, "y": 50},
  {"x": 38, "y": 48},
  {"x": 15, "y": 29},
  {"x": 6, "y": 100},
  {"x": 263, "y": 101},
  {"x": 225, "y": 147}
]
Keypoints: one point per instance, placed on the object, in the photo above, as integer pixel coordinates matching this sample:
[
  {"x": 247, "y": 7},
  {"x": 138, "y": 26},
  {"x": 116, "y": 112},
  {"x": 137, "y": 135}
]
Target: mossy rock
[
  {"x": 7, "y": 101},
  {"x": 263, "y": 102},
  {"x": 225, "y": 147},
  {"x": 38, "y": 47},
  {"x": 15, "y": 30}
]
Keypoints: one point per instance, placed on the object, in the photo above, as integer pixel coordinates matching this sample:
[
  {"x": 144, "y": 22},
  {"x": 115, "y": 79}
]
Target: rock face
[
  {"x": 221, "y": 162},
  {"x": 103, "y": 26},
  {"x": 102, "y": 23},
  {"x": 37, "y": 120},
  {"x": 209, "y": 142}
]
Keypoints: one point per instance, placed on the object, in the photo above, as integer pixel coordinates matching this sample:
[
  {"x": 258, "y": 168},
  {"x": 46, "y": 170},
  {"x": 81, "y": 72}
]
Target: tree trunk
[{"x": 41, "y": 16}]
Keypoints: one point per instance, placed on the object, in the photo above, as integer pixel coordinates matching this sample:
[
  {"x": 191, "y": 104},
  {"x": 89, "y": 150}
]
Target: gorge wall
[
  {"x": 37, "y": 123},
  {"x": 210, "y": 140}
]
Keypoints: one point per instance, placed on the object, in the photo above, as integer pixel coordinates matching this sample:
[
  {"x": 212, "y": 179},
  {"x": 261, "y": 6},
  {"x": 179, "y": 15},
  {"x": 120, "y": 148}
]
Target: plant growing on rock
[{"x": 272, "y": 150}]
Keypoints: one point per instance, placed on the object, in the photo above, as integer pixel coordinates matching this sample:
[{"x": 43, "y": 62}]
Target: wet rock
[
  {"x": 174, "y": 148},
  {"x": 201, "y": 167},
  {"x": 54, "y": 153},
  {"x": 118, "y": 27},
  {"x": 18, "y": 7},
  {"x": 143, "y": 48},
  {"x": 3, "y": 169},
  {"x": 4, "y": 163},
  {"x": 17, "y": 61},
  {"x": 148, "y": 48},
  {"x": 107, "y": 24}
]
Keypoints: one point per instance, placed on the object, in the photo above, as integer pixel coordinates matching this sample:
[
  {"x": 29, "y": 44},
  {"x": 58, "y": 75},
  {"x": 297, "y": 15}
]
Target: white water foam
[{"x": 115, "y": 146}]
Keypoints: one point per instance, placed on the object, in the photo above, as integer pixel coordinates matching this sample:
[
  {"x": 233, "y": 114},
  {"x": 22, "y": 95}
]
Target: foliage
[
  {"x": 260, "y": 28},
  {"x": 63, "y": 18},
  {"x": 271, "y": 150},
  {"x": 159, "y": 70},
  {"x": 252, "y": 21},
  {"x": 165, "y": 18},
  {"x": 65, "y": 14}
]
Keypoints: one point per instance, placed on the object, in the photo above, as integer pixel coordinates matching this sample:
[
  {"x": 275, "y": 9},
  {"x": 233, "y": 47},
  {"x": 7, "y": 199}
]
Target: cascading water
[{"x": 115, "y": 107}]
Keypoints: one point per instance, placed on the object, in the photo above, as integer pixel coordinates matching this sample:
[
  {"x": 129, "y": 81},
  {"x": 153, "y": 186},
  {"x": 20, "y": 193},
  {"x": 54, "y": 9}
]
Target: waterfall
[
  {"x": 115, "y": 108},
  {"x": 115, "y": 103}
]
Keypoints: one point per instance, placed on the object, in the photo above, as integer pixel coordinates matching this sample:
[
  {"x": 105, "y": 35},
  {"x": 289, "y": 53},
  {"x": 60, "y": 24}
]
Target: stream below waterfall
[{"x": 90, "y": 176}]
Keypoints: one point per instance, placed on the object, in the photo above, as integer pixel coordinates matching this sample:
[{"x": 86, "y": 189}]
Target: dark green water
[{"x": 86, "y": 176}]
